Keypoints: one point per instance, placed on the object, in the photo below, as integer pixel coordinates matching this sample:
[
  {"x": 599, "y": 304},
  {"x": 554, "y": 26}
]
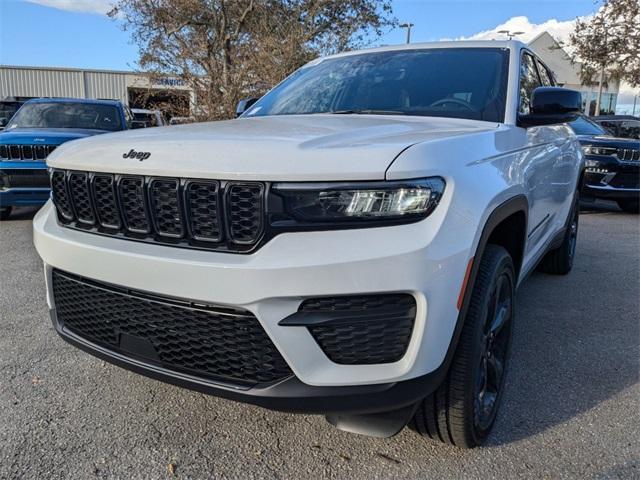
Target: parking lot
[{"x": 571, "y": 407}]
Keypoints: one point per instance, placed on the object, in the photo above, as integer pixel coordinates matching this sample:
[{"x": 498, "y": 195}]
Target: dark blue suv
[
  {"x": 612, "y": 165},
  {"x": 35, "y": 131}
]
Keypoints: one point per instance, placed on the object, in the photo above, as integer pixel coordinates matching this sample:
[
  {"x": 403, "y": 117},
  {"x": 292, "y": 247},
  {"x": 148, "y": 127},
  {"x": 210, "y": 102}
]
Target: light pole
[
  {"x": 408, "y": 27},
  {"x": 510, "y": 34}
]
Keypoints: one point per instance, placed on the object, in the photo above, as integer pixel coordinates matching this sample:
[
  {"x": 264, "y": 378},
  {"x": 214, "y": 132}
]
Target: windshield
[
  {"x": 443, "y": 82},
  {"x": 67, "y": 115},
  {"x": 582, "y": 126}
]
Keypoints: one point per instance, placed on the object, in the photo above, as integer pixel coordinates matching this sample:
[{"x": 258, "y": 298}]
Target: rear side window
[{"x": 529, "y": 81}]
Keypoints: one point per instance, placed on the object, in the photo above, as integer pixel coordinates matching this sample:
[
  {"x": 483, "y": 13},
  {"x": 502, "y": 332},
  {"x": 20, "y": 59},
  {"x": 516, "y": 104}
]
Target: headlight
[
  {"x": 361, "y": 202},
  {"x": 593, "y": 150}
]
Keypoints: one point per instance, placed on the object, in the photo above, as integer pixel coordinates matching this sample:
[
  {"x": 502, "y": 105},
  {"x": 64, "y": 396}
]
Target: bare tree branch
[{"x": 230, "y": 49}]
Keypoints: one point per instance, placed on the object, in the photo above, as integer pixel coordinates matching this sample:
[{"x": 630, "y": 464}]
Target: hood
[
  {"x": 608, "y": 141},
  {"x": 44, "y": 136},
  {"x": 289, "y": 148}
]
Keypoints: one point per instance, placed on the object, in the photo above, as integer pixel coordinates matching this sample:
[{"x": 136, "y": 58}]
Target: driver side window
[{"x": 529, "y": 81}]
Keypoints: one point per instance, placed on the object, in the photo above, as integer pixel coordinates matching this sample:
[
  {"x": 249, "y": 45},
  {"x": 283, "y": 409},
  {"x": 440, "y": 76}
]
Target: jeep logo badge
[{"x": 139, "y": 155}]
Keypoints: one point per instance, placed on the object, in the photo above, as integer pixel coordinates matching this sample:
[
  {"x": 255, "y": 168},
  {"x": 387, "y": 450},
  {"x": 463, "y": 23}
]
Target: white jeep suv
[{"x": 350, "y": 246}]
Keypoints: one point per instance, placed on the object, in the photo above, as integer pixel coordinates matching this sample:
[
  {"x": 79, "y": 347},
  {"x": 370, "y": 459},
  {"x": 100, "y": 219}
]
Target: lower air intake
[
  {"x": 369, "y": 329},
  {"x": 215, "y": 343}
]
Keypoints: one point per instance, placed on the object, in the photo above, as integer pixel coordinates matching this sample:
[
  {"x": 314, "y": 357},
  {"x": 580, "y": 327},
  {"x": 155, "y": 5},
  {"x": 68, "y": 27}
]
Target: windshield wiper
[{"x": 368, "y": 112}]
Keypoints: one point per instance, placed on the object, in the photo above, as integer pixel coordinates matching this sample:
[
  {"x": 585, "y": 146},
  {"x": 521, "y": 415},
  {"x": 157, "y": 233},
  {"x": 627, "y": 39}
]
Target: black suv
[{"x": 612, "y": 165}]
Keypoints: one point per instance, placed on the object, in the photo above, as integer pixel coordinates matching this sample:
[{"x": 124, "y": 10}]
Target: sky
[{"x": 77, "y": 33}]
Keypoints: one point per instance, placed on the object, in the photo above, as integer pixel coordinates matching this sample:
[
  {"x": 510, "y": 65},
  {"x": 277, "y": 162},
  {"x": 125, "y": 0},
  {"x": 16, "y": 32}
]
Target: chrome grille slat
[
  {"x": 15, "y": 152},
  {"x": 628, "y": 155},
  {"x": 192, "y": 213}
]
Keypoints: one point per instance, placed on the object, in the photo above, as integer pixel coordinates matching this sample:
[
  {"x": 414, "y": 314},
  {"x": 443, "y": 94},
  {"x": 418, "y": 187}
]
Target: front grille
[
  {"x": 206, "y": 341},
  {"x": 60, "y": 195},
  {"x": 25, "y": 152},
  {"x": 626, "y": 180},
  {"x": 167, "y": 207},
  {"x": 206, "y": 214},
  {"x": 628, "y": 155},
  {"x": 203, "y": 202},
  {"x": 134, "y": 204},
  {"x": 24, "y": 178},
  {"x": 79, "y": 191},
  {"x": 245, "y": 223},
  {"x": 104, "y": 191},
  {"x": 379, "y": 332}
]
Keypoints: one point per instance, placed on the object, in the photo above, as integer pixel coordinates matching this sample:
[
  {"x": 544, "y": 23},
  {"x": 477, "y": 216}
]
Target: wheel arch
[
  {"x": 506, "y": 226},
  {"x": 500, "y": 220}
]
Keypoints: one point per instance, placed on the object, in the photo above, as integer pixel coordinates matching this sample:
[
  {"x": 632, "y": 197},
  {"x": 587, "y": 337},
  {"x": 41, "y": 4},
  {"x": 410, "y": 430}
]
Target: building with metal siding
[
  {"x": 106, "y": 85},
  {"x": 133, "y": 89}
]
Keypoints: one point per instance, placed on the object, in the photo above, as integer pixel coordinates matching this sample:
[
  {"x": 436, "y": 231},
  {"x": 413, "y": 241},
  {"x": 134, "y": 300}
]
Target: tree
[
  {"x": 227, "y": 50},
  {"x": 608, "y": 44}
]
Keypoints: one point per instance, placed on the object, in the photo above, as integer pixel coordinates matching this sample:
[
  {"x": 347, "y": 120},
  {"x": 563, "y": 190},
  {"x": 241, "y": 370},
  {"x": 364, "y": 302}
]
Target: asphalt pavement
[{"x": 571, "y": 406}]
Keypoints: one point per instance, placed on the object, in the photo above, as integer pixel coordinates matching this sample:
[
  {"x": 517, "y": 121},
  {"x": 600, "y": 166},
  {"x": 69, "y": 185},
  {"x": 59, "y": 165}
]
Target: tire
[
  {"x": 458, "y": 412},
  {"x": 560, "y": 260},
  {"x": 629, "y": 206},
  {"x": 5, "y": 213}
]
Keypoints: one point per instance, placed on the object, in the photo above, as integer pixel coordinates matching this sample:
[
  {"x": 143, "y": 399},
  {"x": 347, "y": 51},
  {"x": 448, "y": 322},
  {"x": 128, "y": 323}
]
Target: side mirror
[
  {"x": 552, "y": 105},
  {"x": 244, "y": 105},
  {"x": 139, "y": 124},
  {"x": 3, "y": 122}
]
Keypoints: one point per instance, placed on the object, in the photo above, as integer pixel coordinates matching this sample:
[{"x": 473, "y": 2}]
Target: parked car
[
  {"x": 350, "y": 246},
  {"x": 36, "y": 129},
  {"x": 612, "y": 165},
  {"x": 622, "y": 126},
  {"x": 152, "y": 118},
  {"x": 8, "y": 107}
]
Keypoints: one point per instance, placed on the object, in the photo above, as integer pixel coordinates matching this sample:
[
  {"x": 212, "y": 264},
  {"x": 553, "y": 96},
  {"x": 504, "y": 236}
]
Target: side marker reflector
[{"x": 467, "y": 274}]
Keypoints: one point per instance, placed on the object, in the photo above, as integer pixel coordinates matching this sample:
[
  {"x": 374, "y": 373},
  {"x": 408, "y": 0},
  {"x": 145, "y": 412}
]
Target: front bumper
[
  {"x": 23, "y": 184},
  {"x": 289, "y": 395},
  {"x": 608, "y": 178},
  {"x": 24, "y": 197},
  {"x": 271, "y": 283}
]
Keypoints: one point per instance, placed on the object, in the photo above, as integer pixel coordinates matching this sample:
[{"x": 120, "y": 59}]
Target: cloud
[
  {"x": 85, "y": 6},
  {"x": 558, "y": 28}
]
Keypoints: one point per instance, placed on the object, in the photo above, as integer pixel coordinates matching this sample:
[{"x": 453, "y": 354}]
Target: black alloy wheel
[
  {"x": 493, "y": 356},
  {"x": 463, "y": 408}
]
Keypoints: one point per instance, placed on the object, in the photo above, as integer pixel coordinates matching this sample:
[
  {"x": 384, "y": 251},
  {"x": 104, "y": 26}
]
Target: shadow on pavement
[
  {"x": 576, "y": 337},
  {"x": 22, "y": 213},
  {"x": 598, "y": 206}
]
